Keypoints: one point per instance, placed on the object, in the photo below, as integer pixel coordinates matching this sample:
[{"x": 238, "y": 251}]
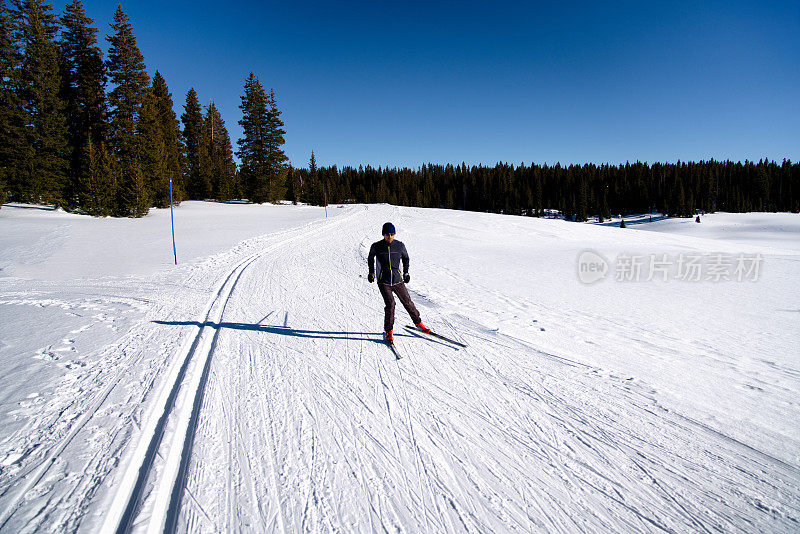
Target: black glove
[
  {"x": 406, "y": 278},
  {"x": 371, "y": 277}
]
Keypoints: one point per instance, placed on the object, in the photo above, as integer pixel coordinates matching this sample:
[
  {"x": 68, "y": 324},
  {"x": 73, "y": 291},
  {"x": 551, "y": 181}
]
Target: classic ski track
[
  {"x": 124, "y": 506},
  {"x": 126, "y": 500}
]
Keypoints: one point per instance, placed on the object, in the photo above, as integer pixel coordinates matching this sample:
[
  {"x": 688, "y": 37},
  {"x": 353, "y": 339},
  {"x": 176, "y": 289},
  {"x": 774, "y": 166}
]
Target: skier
[{"x": 389, "y": 253}]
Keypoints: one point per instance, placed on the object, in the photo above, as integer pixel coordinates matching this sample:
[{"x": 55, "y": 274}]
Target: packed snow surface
[{"x": 247, "y": 388}]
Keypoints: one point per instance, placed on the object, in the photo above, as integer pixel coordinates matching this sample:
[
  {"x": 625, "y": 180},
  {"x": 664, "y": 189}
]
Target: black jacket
[{"x": 389, "y": 257}]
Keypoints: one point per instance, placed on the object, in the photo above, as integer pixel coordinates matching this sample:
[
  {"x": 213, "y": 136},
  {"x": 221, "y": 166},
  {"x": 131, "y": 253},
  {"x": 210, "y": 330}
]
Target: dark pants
[{"x": 405, "y": 299}]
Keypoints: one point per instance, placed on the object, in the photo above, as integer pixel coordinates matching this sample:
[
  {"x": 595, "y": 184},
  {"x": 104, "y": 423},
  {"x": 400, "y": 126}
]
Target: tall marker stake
[{"x": 172, "y": 221}]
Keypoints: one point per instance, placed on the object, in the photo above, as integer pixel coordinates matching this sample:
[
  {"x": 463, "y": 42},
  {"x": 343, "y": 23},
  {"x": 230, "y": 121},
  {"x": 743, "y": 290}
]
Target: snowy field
[{"x": 246, "y": 389}]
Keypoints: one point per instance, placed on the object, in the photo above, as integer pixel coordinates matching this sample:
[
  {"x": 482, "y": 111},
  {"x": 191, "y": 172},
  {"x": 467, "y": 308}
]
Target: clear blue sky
[{"x": 403, "y": 83}]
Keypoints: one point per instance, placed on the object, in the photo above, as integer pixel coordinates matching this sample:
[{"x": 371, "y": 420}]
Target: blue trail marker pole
[{"x": 172, "y": 221}]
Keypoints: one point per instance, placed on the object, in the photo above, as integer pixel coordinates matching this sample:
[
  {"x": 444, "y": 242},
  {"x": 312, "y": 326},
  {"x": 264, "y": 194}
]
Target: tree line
[
  {"x": 68, "y": 141},
  {"x": 576, "y": 191},
  {"x": 98, "y": 135}
]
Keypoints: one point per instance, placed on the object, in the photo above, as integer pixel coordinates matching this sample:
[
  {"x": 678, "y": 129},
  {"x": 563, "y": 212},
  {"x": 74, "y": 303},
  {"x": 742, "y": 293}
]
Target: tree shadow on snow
[
  {"x": 41, "y": 207},
  {"x": 377, "y": 337},
  {"x": 636, "y": 220}
]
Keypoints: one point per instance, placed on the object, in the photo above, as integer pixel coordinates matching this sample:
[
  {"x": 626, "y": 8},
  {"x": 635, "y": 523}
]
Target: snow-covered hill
[{"x": 247, "y": 388}]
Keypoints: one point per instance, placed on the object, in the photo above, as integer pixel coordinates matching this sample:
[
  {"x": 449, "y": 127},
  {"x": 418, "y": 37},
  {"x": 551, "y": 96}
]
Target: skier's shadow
[{"x": 283, "y": 330}]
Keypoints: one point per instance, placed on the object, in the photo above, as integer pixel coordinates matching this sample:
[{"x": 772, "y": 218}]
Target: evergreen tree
[
  {"x": 581, "y": 209},
  {"x": 293, "y": 184},
  {"x": 99, "y": 187},
  {"x": 126, "y": 70},
  {"x": 135, "y": 191},
  {"x": 277, "y": 162},
  {"x": 83, "y": 90},
  {"x": 158, "y": 133},
  {"x": 254, "y": 148},
  {"x": 222, "y": 168},
  {"x": 152, "y": 150},
  {"x": 313, "y": 189},
  {"x": 42, "y": 165},
  {"x": 13, "y": 150},
  {"x": 762, "y": 187},
  {"x": 198, "y": 183}
]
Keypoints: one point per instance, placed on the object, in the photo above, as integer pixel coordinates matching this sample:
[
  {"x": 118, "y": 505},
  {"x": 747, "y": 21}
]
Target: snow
[
  {"x": 247, "y": 388},
  {"x": 63, "y": 246}
]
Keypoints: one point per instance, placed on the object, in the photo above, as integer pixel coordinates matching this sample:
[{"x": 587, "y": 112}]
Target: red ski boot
[
  {"x": 388, "y": 337},
  {"x": 423, "y": 328}
]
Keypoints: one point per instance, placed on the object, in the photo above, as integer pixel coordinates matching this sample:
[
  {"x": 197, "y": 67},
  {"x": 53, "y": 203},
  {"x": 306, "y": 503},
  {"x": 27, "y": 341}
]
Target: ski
[
  {"x": 438, "y": 336},
  {"x": 392, "y": 348}
]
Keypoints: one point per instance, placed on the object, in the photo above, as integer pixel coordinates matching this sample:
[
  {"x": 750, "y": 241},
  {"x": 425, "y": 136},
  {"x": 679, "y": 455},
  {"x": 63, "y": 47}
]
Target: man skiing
[{"x": 389, "y": 253}]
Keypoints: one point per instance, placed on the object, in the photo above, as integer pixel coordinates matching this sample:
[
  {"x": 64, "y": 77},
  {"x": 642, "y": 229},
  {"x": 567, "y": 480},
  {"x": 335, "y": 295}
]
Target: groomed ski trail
[
  {"x": 310, "y": 424},
  {"x": 272, "y": 406}
]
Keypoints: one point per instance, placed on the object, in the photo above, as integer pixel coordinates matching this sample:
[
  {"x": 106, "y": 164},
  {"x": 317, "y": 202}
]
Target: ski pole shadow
[{"x": 283, "y": 330}]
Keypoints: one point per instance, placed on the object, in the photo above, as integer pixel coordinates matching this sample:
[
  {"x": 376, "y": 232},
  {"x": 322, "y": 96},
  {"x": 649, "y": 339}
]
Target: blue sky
[{"x": 404, "y": 83}]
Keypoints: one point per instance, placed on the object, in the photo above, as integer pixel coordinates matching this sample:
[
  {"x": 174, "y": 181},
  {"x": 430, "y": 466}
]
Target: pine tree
[
  {"x": 83, "y": 90},
  {"x": 198, "y": 183},
  {"x": 152, "y": 150},
  {"x": 277, "y": 162},
  {"x": 135, "y": 191},
  {"x": 292, "y": 184},
  {"x": 581, "y": 208},
  {"x": 313, "y": 191},
  {"x": 222, "y": 168},
  {"x": 99, "y": 187},
  {"x": 158, "y": 141},
  {"x": 43, "y": 162},
  {"x": 12, "y": 147},
  {"x": 126, "y": 70},
  {"x": 254, "y": 148}
]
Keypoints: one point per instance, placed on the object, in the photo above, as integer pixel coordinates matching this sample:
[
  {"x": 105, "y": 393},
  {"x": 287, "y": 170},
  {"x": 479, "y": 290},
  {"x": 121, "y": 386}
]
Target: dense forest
[
  {"x": 66, "y": 140},
  {"x": 99, "y": 136},
  {"x": 576, "y": 191}
]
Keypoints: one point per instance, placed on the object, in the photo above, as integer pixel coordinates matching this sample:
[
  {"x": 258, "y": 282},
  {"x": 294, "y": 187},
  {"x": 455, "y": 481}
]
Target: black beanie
[{"x": 388, "y": 228}]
